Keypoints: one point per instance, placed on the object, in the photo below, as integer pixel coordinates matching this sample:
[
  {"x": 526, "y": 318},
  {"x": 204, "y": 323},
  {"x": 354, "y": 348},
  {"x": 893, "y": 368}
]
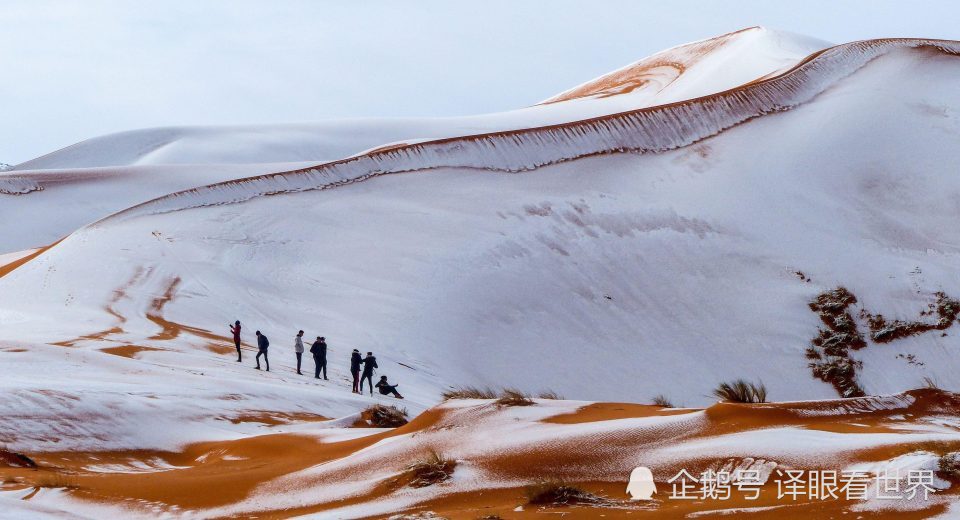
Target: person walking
[
  {"x": 369, "y": 364},
  {"x": 263, "y": 344},
  {"x": 386, "y": 388},
  {"x": 319, "y": 351},
  {"x": 355, "y": 361},
  {"x": 298, "y": 350},
  {"x": 235, "y": 329}
]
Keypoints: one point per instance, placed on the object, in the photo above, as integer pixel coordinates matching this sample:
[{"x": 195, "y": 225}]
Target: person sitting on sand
[
  {"x": 386, "y": 388},
  {"x": 263, "y": 343},
  {"x": 235, "y": 330}
]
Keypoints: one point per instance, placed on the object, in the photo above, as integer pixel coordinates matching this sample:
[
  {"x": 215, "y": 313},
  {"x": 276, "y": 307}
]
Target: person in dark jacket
[
  {"x": 263, "y": 344},
  {"x": 386, "y": 388},
  {"x": 235, "y": 329},
  {"x": 355, "y": 361},
  {"x": 298, "y": 350},
  {"x": 369, "y": 364},
  {"x": 319, "y": 351}
]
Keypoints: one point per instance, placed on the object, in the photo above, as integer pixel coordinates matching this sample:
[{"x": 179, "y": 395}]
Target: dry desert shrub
[
  {"x": 514, "y": 397},
  {"x": 949, "y": 466},
  {"x": 381, "y": 416},
  {"x": 432, "y": 469},
  {"x": 662, "y": 401},
  {"x": 469, "y": 392},
  {"x": 56, "y": 481},
  {"x": 550, "y": 394},
  {"x": 555, "y": 493},
  {"x": 741, "y": 391}
]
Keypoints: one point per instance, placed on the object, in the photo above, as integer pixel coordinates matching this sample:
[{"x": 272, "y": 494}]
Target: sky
[{"x": 75, "y": 69}]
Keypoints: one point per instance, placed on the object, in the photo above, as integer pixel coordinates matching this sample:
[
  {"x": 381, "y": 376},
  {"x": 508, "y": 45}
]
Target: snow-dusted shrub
[
  {"x": 432, "y": 469},
  {"x": 841, "y": 372},
  {"x": 949, "y": 466},
  {"x": 830, "y": 349},
  {"x": 741, "y": 391},
  {"x": 883, "y": 331},
  {"x": 380, "y": 416}
]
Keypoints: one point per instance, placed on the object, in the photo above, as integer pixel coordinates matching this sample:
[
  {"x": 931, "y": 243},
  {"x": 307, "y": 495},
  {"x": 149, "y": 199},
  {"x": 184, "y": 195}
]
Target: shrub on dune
[
  {"x": 430, "y": 470},
  {"x": 949, "y": 466},
  {"x": 741, "y": 391},
  {"x": 550, "y": 394},
  {"x": 553, "y": 493},
  {"x": 380, "y": 416},
  {"x": 469, "y": 392},
  {"x": 662, "y": 401},
  {"x": 514, "y": 397}
]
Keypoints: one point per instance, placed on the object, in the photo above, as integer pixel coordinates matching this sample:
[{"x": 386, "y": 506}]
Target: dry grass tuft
[
  {"x": 554, "y": 493},
  {"x": 514, "y": 397},
  {"x": 56, "y": 481},
  {"x": 550, "y": 394},
  {"x": 469, "y": 392},
  {"x": 430, "y": 470},
  {"x": 741, "y": 391},
  {"x": 662, "y": 401}
]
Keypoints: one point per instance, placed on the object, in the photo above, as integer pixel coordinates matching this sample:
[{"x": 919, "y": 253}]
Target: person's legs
[
  {"x": 323, "y": 365},
  {"x": 266, "y": 360},
  {"x": 237, "y": 343},
  {"x": 299, "y": 358},
  {"x": 316, "y": 366},
  {"x": 369, "y": 379},
  {"x": 393, "y": 389},
  {"x": 260, "y": 353},
  {"x": 356, "y": 380}
]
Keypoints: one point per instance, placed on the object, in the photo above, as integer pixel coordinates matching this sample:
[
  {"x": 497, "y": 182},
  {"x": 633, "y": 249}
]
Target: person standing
[
  {"x": 235, "y": 329},
  {"x": 355, "y": 361},
  {"x": 298, "y": 350},
  {"x": 369, "y": 364},
  {"x": 263, "y": 344},
  {"x": 319, "y": 351}
]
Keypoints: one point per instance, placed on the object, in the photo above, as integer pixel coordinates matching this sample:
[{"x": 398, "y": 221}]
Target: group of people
[{"x": 362, "y": 368}]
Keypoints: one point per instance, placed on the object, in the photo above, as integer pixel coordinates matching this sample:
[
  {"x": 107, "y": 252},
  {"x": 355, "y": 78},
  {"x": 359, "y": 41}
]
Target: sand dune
[
  {"x": 610, "y": 255},
  {"x": 591, "y": 445}
]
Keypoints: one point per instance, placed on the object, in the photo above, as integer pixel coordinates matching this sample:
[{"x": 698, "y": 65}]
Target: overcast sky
[{"x": 70, "y": 70}]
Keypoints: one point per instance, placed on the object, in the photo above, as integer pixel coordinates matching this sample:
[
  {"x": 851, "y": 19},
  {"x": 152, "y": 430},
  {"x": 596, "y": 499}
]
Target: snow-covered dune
[
  {"x": 647, "y": 233},
  {"x": 106, "y": 174},
  {"x": 605, "y": 277},
  {"x": 710, "y": 66},
  {"x": 697, "y": 69}
]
